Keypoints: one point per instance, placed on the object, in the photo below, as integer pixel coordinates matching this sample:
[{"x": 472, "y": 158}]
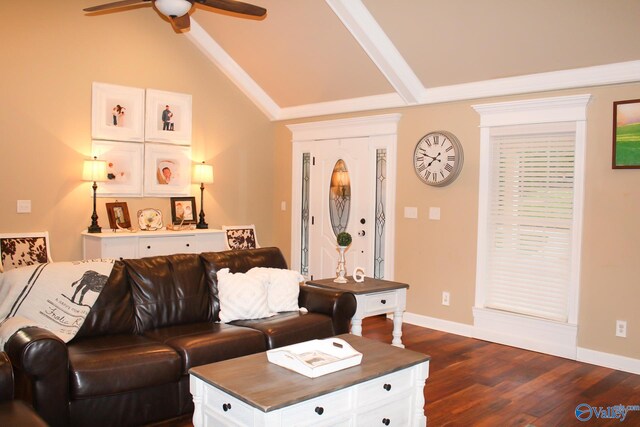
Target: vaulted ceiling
[{"x": 315, "y": 57}]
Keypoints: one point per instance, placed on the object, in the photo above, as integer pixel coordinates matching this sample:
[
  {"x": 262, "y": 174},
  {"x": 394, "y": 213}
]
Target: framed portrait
[
  {"x": 118, "y": 214},
  {"x": 167, "y": 170},
  {"x": 124, "y": 168},
  {"x": 117, "y": 112},
  {"x": 626, "y": 134},
  {"x": 168, "y": 117},
  {"x": 183, "y": 208}
]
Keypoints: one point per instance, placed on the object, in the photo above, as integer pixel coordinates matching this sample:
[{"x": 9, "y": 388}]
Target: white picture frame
[
  {"x": 117, "y": 112},
  {"x": 167, "y": 170},
  {"x": 168, "y": 117},
  {"x": 125, "y": 161}
]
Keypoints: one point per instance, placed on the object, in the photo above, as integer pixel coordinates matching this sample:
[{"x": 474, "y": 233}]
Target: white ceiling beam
[
  {"x": 364, "y": 28},
  {"x": 212, "y": 50}
]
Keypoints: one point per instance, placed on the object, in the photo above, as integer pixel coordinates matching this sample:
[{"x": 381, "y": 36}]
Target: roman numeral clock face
[{"x": 438, "y": 158}]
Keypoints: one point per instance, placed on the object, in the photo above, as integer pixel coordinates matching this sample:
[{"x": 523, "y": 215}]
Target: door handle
[{"x": 361, "y": 233}]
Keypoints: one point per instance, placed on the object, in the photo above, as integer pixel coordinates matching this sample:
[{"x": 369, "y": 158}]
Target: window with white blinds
[{"x": 530, "y": 219}]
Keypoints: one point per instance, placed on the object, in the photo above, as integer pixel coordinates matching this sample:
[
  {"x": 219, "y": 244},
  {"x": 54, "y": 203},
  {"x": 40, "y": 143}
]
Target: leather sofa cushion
[
  {"x": 291, "y": 328},
  {"x": 112, "y": 313},
  {"x": 168, "y": 290},
  {"x": 100, "y": 366},
  {"x": 17, "y": 413},
  {"x": 237, "y": 262},
  {"x": 202, "y": 343}
]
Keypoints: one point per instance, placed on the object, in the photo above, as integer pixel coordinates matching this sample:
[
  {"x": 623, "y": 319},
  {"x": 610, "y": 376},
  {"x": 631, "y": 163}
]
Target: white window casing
[{"x": 531, "y": 191}]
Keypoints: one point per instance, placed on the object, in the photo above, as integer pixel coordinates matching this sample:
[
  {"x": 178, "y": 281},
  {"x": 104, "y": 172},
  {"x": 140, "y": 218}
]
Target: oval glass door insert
[{"x": 339, "y": 197}]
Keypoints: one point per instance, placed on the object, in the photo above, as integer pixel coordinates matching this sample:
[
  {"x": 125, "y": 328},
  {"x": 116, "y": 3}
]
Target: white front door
[
  {"x": 342, "y": 190},
  {"x": 357, "y": 158}
]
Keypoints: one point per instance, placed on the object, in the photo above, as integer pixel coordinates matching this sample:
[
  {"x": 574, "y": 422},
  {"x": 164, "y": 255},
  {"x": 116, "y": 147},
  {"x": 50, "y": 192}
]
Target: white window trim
[{"x": 557, "y": 338}]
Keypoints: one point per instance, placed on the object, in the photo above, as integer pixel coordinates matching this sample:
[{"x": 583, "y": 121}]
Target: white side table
[{"x": 373, "y": 297}]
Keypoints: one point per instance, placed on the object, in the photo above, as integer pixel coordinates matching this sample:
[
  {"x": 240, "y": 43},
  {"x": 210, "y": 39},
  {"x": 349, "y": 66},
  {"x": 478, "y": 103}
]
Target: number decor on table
[{"x": 438, "y": 158}]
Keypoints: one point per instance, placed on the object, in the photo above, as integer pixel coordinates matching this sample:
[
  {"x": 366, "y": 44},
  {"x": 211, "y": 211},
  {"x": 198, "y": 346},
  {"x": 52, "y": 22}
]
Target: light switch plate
[
  {"x": 23, "y": 206},
  {"x": 410, "y": 212},
  {"x": 434, "y": 213}
]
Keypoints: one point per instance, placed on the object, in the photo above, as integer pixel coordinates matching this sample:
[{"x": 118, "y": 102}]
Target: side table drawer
[
  {"x": 320, "y": 410},
  {"x": 392, "y": 414},
  {"x": 152, "y": 246},
  {"x": 381, "y": 390},
  {"x": 381, "y": 302}
]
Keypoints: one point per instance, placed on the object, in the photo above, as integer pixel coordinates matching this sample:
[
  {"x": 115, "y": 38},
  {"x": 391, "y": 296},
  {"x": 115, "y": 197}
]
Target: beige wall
[
  {"x": 52, "y": 53},
  {"x": 436, "y": 256}
]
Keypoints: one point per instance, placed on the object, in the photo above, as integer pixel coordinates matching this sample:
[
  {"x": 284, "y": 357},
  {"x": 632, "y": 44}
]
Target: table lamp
[
  {"x": 203, "y": 174},
  {"x": 94, "y": 170}
]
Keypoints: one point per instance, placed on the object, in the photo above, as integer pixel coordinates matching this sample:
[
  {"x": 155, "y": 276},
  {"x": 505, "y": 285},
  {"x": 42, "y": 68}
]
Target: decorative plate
[{"x": 150, "y": 219}]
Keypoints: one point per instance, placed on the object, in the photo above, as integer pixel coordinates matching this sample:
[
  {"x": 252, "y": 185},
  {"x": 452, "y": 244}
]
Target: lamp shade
[
  {"x": 94, "y": 170},
  {"x": 202, "y": 173},
  {"x": 173, "y": 7}
]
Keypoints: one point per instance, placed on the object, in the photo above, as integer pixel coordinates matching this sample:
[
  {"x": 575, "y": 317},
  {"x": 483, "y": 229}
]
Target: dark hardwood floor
[
  {"x": 475, "y": 383},
  {"x": 478, "y": 383}
]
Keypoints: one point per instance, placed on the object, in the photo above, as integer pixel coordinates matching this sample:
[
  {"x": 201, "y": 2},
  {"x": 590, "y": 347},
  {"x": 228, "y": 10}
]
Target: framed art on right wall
[{"x": 626, "y": 134}]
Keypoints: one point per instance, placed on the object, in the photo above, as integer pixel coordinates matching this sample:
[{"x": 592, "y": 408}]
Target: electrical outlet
[
  {"x": 621, "y": 328},
  {"x": 445, "y": 298}
]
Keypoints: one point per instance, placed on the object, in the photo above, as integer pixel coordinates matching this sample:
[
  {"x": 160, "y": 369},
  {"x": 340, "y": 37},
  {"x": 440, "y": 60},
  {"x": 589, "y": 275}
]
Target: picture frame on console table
[
  {"x": 125, "y": 161},
  {"x": 167, "y": 170},
  {"x": 168, "y": 117},
  {"x": 183, "y": 208},
  {"x": 117, "y": 112},
  {"x": 626, "y": 134},
  {"x": 118, "y": 213}
]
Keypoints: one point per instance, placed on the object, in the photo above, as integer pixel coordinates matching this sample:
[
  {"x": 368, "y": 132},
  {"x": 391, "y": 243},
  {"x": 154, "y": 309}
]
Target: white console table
[{"x": 122, "y": 244}]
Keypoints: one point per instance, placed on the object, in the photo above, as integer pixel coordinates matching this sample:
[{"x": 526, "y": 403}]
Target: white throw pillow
[
  {"x": 283, "y": 287},
  {"x": 241, "y": 296}
]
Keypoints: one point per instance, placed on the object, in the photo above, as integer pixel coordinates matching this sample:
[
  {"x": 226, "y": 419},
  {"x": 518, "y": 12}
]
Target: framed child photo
[
  {"x": 183, "y": 210},
  {"x": 168, "y": 117},
  {"x": 118, "y": 214},
  {"x": 117, "y": 112},
  {"x": 124, "y": 168},
  {"x": 167, "y": 170},
  {"x": 626, "y": 134}
]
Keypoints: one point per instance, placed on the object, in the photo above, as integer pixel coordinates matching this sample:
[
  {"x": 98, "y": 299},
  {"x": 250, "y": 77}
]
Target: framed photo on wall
[
  {"x": 626, "y": 134},
  {"x": 168, "y": 117},
  {"x": 117, "y": 112},
  {"x": 124, "y": 168},
  {"x": 118, "y": 214},
  {"x": 183, "y": 210},
  {"x": 167, "y": 170}
]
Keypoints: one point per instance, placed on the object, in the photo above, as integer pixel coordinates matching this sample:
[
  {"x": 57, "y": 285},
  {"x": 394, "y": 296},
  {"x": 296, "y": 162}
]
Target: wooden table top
[
  {"x": 267, "y": 386},
  {"x": 368, "y": 286}
]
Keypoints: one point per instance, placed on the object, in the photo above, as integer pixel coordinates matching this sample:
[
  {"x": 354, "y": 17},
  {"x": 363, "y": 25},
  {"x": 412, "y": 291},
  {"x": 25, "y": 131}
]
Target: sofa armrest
[
  {"x": 41, "y": 364},
  {"x": 339, "y": 305},
  {"x": 6, "y": 378}
]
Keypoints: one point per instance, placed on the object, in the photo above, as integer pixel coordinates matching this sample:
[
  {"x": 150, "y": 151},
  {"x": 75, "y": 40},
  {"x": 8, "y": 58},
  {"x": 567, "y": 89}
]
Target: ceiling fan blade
[
  {"x": 235, "y": 6},
  {"x": 113, "y": 5},
  {"x": 180, "y": 22}
]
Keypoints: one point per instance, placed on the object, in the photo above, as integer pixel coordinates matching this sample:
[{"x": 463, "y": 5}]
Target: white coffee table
[{"x": 387, "y": 388}]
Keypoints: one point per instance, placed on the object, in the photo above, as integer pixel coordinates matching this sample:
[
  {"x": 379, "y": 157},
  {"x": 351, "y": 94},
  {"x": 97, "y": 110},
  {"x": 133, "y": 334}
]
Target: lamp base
[
  {"x": 94, "y": 229},
  {"x": 202, "y": 226}
]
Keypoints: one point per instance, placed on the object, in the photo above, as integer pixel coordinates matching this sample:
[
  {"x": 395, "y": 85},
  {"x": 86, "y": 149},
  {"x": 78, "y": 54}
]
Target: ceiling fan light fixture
[{"x": 173, "y": 8}]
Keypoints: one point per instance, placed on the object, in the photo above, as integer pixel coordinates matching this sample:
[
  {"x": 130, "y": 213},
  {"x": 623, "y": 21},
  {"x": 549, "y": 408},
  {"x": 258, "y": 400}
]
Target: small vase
[{"x": 341, "y": 270}]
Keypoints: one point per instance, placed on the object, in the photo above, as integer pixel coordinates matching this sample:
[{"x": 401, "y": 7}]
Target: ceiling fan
[{"x": 177, "y": 11}]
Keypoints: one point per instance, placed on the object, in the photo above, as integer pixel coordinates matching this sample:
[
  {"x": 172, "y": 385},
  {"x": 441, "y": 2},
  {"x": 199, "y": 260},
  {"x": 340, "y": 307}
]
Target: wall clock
[{"x": 438, "y": 158}]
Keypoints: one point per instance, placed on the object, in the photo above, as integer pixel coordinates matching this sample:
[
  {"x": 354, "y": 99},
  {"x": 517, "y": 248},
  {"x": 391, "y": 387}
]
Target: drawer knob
[
  {"x": 187, "y": 245},
  {"x": 387, "y": 387},
  {"x": 226, "y": 406},
  {"x": 319, "y": 410},
  {"x": 148, "y": 247},
  {"x": 386, "y": 421},
  {"x": 384, "y": 301}
]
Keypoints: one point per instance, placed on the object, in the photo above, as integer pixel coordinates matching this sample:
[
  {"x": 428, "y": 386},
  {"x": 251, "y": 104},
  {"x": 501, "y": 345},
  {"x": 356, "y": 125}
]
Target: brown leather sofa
[
  {"x": 13, "y": 412},
  {"x": 154, "y": 319}
]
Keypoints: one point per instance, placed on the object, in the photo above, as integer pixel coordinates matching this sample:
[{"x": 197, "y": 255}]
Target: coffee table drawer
[
  {"x": 335, "y": 408},
  {"x": 394, "y": 413},
  {"x": 382, "y": 302},
  {"x": 380, "y": 390},
  {"x": 226, "y": 409}
]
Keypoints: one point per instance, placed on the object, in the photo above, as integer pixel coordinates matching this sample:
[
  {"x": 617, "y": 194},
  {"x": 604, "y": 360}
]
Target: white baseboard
[{"x": 607, "y": 360}]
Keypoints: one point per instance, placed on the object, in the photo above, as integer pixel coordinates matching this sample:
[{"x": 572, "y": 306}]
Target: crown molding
[{"x": 216, "y": 54}]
